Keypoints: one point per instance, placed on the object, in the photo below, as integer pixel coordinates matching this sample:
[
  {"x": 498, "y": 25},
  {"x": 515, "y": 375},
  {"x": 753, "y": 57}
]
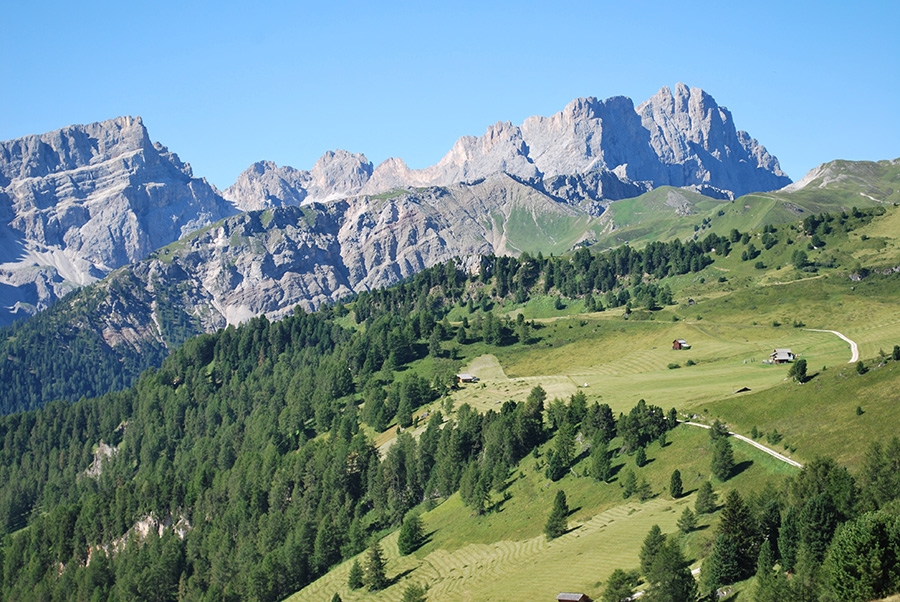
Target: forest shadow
[
  {"x": 614, "y": 472},
  {"x": 399, "y": 576},
  {"x": 741, "y": 467}
]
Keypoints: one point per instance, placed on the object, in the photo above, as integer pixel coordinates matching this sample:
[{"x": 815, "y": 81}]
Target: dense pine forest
[{"x": 244, "y": 467}]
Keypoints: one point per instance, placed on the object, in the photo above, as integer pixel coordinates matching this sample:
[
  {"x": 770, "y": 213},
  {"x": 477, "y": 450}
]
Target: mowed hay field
[
  {"x": 503, "y": 555},
  {"x": 620, "y": 362}
]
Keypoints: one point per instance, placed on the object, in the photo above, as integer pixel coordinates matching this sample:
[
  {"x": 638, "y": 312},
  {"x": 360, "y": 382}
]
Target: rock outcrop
[
  {"x": 268, "y": 262},
  {"x": 593, "y": 150},
  {"x": 81, "y": 201}
]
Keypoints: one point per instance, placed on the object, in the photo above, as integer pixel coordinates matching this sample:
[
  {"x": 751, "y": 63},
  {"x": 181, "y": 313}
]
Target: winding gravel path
[
  {"x": 854, "y": 348},
  {"x": 758, "y": 446}
]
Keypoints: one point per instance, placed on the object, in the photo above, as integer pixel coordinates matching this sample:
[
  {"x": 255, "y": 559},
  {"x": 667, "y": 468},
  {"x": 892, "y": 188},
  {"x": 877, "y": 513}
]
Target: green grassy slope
[
  {"x": 734, "y": 314},
  {"x": 837, "y": 186}
]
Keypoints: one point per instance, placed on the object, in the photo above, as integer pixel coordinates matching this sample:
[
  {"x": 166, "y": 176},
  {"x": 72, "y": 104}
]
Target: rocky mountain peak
[{"x": 83, "y": 200}]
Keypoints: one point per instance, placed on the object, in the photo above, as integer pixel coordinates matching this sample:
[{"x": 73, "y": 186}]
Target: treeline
[{"x": 61, "y": 353}]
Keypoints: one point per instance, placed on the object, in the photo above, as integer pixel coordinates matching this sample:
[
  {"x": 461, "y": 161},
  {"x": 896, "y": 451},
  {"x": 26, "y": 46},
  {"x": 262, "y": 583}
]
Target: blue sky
[{"x": 224, "y": 84}]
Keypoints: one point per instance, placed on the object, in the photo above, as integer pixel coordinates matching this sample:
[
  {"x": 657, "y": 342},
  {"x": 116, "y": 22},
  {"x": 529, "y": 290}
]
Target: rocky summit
[
  {"x": 593, "y": 150},
  {"x": 81, "y": 201}
]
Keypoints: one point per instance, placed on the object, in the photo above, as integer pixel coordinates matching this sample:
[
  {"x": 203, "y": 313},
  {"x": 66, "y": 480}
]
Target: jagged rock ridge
[
  {"x": 591, "y": 151},
  {"x": 268, "y": 262},
  {"x": 79, "y": 202}
]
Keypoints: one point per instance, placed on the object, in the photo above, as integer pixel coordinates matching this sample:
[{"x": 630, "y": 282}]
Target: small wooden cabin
[
  {"x": 680, "y": 344},
  {"x": 466, "y": 378},
  {"x": 782, "y": 356}
]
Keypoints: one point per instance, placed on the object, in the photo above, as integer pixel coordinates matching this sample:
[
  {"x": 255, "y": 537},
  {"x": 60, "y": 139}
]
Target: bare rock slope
[{"x": 84, "y": 200}]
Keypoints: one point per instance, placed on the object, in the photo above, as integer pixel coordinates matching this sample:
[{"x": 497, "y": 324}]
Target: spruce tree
[
  {"x": 619, "y": 586},
  {"x": 707, "y": 500},
  {"x": 723, "y": 459},
  {"x": 556, "y": 522},
  {"x": 374, "y": 576},
  {"x": 687, "y": 522},
  {"x": 640, "y": 458},
  {"x": 601, "y": 465},
  {"x": 653, "y": 542},
  {"x": 670, "y": 578},
  {"x": 676, "y": 489},
  {"x": 411, "y": 535},
  {"x": 629, "y": 483},
  {"x": 734, "y": 554},
  {"x": 355, "y": 578},
  {"x": 413, "y": 593}
]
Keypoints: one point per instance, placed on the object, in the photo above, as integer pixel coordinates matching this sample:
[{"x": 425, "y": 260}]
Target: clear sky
[{"x": 224, "y": 84}]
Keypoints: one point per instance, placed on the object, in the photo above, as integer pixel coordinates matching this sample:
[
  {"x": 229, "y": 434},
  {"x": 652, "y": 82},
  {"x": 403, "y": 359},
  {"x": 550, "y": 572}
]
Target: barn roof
[{"x": 571, "y": 597}]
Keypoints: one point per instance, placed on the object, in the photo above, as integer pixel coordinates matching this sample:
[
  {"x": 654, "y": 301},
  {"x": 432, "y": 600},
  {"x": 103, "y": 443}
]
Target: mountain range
[{"x": 80, "y": 202}]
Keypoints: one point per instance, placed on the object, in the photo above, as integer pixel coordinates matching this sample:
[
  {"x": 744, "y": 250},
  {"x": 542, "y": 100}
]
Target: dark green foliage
[
  {"x": 557, "y": 521},
  {"x": 880, "y": 479},
  {"x": 412, "y": 534},
  {"x": 734, "y": 554},
  {"x": 61, "y": 354},
  {"x": 676, "y": 489},
  {"x": 413, "y": 593},
  {"x": 771, "y": 583},
  {"x": 895, "y": 354},
  {"x": 653, "y": 543},
  {"x": 640, "y": 457},
  {"x": 620, "y": 586},
  {"x": 601, "y": 464},
  {"x": 474, "y": 487},
  {"x": 687, "y": 522},
  {"x": 707, "y": 500},
  {"x": 355, "y": 578},
  {"x": 789, "y": 539},
  {"x": 863, "y": 561},
  {"x": 644, "y": 491},
  {"x": 336, "y": 597},
  {"x": 818, "y": 521},
  {"x": 718, "y": 430},
  {"x": 629, "y": 483},
  {"x": 669, "y": 578},
  {"x": 722, "y": 464},
  {"x": 798, "y": 371},
  {"x": 643, "y": 424},
  {"x": 599, "y": 422},
  {"x": 861, "y": 368},
  {"x": 374, "y": 576}
]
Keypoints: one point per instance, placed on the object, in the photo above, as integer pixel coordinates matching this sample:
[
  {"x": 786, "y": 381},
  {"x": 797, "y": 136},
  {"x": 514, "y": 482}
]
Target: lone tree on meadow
[
  {"x": 556, "y": 522},
  {"x": 412, "y": 534},
  {"x": 723, "y": 459},
  {"x": 707, "y": 500},
  {"x": 798, "y": 371},
  {"x": 688, "y": 520},
  {"x": 374, "y": 576},
  {"x": 676, "y": 488}
]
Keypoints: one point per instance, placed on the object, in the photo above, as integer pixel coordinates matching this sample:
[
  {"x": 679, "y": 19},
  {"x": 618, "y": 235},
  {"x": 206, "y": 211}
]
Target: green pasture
[{"x": 503, "y": 554}]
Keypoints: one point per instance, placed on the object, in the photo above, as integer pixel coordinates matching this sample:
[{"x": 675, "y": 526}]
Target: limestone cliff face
[
  {"x": 269, "y": 261},
  {"x": 697, "y": 141},
  {"x": 592, "y": 150},
  {"x": 81, "y": 201}
]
